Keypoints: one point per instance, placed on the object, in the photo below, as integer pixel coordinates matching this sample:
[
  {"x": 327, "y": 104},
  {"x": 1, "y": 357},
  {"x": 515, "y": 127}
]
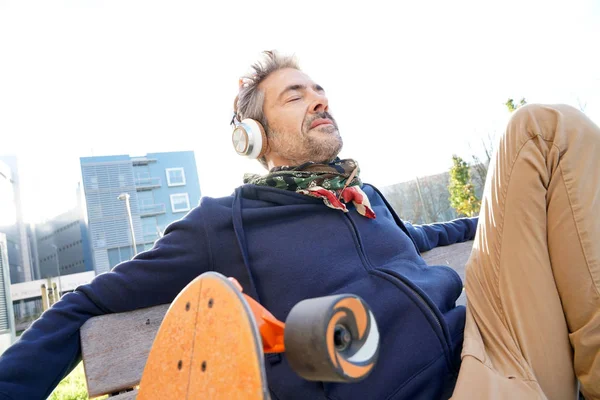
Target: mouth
[{"x": 320, "y": 122}]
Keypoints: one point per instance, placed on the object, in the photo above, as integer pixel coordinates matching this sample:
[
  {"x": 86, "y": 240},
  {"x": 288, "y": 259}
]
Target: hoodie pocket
[{"x": 428, "y": 308}]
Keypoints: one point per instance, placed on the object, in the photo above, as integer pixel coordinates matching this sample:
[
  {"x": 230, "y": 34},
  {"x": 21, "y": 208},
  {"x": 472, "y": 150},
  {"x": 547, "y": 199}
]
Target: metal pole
[
  {"x": 45, "y": 304},
  {"x": 125, "y": 196},
  {"x": 57, "y": 270}
]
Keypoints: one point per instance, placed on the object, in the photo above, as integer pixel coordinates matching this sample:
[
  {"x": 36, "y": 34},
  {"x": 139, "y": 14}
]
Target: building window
[
  {"x": 180, "y": 202},
  {"x": 149, "y": 228},
  {"x": 175, "y": 177}
]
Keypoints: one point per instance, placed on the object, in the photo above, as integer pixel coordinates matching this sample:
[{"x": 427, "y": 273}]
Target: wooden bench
[{"x": 115, "y": 346}]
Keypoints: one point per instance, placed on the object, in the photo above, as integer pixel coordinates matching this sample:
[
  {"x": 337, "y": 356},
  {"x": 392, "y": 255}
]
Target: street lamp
[
  {"x": 125, "y": 196},
  {"x": 57, "y": 270}
]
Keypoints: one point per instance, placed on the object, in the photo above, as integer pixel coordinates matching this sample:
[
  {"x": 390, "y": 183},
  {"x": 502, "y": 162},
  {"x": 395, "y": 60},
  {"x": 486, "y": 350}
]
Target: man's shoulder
[
  {"x": 371, "y": 190},
  {"x": 209, "y": 205}
]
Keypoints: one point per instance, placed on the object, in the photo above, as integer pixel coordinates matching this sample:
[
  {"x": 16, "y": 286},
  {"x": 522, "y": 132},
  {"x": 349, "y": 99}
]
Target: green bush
[
  {"x": 73, "y": 387},
  {"x": 462, "y": 191}
]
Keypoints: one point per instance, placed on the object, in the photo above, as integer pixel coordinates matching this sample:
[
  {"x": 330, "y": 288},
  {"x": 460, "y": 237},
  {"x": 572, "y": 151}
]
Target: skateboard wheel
[{"x": 331, "y": 339}]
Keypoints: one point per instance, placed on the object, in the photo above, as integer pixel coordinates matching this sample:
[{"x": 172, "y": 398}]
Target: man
[{"x": 310, "y": 228}]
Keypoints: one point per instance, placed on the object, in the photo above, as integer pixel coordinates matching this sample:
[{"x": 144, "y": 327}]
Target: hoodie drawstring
[{"x": 238, "y": 227}]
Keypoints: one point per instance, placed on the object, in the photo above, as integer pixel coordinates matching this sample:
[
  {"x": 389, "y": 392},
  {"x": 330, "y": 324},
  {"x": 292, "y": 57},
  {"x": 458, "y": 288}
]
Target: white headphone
[{"x": 249, "y": 138}]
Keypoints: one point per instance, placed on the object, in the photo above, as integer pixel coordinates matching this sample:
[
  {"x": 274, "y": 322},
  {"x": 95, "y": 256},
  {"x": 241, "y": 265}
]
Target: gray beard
[{"x": 308, "y": 148}]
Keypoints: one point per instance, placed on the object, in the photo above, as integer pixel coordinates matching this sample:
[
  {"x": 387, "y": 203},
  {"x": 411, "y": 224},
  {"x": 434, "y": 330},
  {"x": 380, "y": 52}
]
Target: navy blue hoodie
[{"x": 283, "y": 247}]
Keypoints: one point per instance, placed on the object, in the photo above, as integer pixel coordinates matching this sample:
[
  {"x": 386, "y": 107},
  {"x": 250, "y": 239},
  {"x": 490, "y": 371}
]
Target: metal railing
[
  {"x": 147, "y": 183},
  {"x": 152, "y": 209}
]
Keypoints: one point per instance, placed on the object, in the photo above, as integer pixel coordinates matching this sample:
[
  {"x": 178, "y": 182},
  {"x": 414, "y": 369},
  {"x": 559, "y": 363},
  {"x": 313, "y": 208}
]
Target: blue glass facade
[
  {"x": 62, "y": 245},
  {"x": 18, "y": 251},
  {"x": 162, "y": 188}
]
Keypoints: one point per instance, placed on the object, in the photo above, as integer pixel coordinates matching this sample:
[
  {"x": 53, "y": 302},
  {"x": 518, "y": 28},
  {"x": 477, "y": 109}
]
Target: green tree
[
  {"x": 462, "y": 191},
  {"x": 510, "y": 104}
]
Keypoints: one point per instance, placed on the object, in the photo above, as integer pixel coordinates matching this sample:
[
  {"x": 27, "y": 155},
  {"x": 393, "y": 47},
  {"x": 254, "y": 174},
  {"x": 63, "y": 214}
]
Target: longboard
[
  {"x": 212, "y": 341},
  {"x": 208, "y": 346}
]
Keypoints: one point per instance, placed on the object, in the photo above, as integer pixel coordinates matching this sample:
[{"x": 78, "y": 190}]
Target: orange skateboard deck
[
  {"x": 212, "y": 341},
  {"x": 208, "y": 347}
]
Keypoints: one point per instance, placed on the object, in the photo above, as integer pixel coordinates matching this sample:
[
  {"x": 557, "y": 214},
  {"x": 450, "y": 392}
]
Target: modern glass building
[
  {"x": 7, "y": 320},
  {"x": 8, "y": 220},
  {"x": 62, "y": 245},
  {"x": 158, "y": 188},
  {"x": 12, "y": 224}
]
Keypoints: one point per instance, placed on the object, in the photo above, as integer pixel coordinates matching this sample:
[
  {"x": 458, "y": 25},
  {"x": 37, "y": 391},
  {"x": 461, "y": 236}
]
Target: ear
[
  {"x": 267, "y": 152},
  {"x": 269, "y": 155}
]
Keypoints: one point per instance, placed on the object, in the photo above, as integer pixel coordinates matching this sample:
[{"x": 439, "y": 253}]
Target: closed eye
[{"x": 293, "y": 99}]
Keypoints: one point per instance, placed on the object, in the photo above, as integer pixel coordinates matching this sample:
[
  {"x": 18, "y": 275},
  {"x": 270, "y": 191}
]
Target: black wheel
[{"x": 332, "y": 339}]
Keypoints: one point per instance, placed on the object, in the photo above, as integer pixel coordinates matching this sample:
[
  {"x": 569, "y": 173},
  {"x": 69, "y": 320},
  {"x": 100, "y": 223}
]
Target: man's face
[{"x": 300, "y": 127}]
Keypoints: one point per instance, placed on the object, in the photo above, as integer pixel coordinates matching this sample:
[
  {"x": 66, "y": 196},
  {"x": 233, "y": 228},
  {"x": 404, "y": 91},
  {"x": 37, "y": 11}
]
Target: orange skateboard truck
[{"x": 212, "y": 341}]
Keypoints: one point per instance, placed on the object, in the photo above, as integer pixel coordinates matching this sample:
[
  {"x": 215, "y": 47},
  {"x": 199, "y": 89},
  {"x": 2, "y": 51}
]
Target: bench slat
[
  {"x": 125, "y": 396},
  {"x": 115, "y": 347},
  {"x": 455, "y": 256}
]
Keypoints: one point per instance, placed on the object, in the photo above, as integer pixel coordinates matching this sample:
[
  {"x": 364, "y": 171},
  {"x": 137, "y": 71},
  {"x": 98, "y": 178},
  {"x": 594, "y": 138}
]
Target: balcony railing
[
  {"x": 142, "y": 161},
  {"x": 147, "y": 210},
  {"x": 147, "y": 183},
  {"x": 150, "y": 237}
]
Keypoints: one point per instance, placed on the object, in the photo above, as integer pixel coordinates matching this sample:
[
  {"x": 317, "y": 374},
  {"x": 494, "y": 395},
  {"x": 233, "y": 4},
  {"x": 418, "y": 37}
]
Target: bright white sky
[{"x": 409, "y": 82}]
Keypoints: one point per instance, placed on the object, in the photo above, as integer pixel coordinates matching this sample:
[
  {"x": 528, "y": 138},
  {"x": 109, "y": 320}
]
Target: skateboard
[{"x": 212, "y": 341}]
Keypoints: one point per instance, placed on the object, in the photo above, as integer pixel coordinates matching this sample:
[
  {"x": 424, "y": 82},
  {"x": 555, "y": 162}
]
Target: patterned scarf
[{"x": 333, "y": 183}]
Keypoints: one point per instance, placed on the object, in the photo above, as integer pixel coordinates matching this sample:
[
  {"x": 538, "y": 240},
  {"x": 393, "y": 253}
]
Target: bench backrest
[{"x": 115, "y": 346}]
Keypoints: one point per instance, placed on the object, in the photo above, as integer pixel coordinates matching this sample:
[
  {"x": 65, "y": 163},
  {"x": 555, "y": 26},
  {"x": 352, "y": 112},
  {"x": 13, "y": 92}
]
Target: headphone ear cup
[{"x": 249, "y": 139}]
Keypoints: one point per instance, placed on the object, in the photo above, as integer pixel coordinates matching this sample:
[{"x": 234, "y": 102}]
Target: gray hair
[{"x": 250, "y": 100}]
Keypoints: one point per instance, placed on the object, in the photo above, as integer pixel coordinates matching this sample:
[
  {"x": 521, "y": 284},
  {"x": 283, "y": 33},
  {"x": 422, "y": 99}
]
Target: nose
[{"x": 319, "y": 104}]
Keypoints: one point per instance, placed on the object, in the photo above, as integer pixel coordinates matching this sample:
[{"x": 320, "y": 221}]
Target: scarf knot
[{"x": 335, "y": 183}]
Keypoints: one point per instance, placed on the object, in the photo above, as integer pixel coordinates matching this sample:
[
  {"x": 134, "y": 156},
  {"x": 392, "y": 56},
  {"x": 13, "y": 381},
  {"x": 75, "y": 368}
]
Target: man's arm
[
  {"x": 50, "y": 348},
  {"x": 430, "y": 236}
]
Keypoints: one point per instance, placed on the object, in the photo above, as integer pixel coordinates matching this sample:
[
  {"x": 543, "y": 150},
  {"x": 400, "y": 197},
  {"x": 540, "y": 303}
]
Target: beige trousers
[{"x": 533, "y": 279}]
